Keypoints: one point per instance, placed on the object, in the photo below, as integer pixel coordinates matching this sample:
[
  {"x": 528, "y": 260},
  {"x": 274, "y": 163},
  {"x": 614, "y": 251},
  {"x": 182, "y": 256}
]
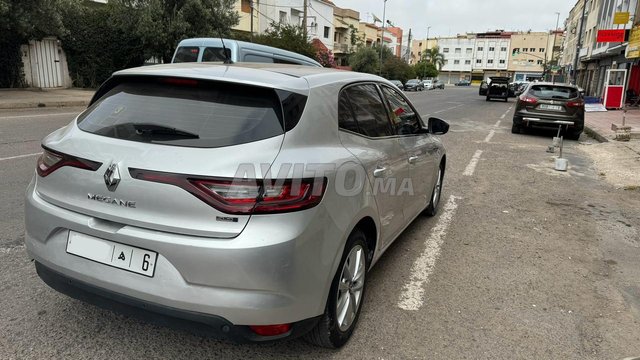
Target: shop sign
[{"x": 610, "y": 36}]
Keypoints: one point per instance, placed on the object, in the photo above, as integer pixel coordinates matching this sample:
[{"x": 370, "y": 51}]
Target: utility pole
[
  {"x": 424, "y": 71},
  {"x": 304, "y": 20},
  {"x": 251, "y": 4},
  {"x": 384, "y": 13},
  {"x": 409, "y": 46},
  {"x": 578, "y": 44}
]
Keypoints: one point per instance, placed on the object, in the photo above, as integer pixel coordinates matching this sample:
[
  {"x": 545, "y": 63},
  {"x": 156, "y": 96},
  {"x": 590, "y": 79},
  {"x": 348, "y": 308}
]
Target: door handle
[
  {"x": 380, "y": 172},
  {"x": 413, "y": 159}
]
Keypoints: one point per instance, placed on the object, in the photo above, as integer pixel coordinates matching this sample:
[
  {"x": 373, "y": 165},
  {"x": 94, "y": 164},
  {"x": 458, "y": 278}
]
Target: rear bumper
[
  {"x": 277, "y": 271},
  {"x": 548, "y": 121},
  {"x": 194, "y": 322}
]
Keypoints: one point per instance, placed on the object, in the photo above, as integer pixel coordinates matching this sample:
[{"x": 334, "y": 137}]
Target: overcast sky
[{"x": 450, "y": 17}]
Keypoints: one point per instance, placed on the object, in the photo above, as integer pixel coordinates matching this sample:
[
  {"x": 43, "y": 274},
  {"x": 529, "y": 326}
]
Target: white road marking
[
  {"x": 19, "y": 156},
  {"x": 37, "y": 115},
  {"x": 488, "y": 138},
  {"x": 497, "y": 123},
  {"x": 468, "y": 171},
  {"x": 506, "y": 112},
  {"x": 412, "y": 296},
  {"x": 447, "y": 109}
]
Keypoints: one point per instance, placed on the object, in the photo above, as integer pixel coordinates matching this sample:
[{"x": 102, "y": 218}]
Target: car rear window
[
  {"x": 553, "y": 92},
  {"x": 185, "y": 112},
  {"x": 186, "y": 54},
  {"x": 216, "y": 54}
]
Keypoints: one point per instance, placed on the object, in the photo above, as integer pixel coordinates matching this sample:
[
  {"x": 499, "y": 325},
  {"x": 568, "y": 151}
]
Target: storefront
[{"x": 527, "y": 76}]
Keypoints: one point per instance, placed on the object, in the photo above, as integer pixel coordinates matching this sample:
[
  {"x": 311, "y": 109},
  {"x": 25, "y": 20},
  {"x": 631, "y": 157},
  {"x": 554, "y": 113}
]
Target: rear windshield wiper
[{"x": 152, "y": 129}]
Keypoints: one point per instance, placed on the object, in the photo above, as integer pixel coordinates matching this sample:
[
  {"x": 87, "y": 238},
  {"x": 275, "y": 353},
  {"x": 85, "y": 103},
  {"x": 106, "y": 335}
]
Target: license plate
[
  {"x": 121, "y": 256},
  {"x": 551, "y": 107}
]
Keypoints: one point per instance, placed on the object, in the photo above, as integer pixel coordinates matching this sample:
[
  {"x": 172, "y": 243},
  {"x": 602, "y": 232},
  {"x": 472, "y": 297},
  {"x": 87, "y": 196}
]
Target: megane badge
[{"x": 112, "y": 177}]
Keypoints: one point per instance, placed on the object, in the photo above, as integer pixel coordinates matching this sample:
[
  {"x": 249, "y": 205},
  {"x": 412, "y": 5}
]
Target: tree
[
  {"x": 101, "y": 40},
  {"x": 163, "y": 23},
  {"x": 365, "y": 60},
  {"x": 386, "y": 52},
  {"x": 287, "y": 37},
  {"x": 424, "y": 69},
  {"x": 433, "y": 56},
  {"x": 325, "y": 58},
  {"x": 355, "y": 39},
  {"x": 23, "y": 20},
  {"x": 395, "y": 68}
]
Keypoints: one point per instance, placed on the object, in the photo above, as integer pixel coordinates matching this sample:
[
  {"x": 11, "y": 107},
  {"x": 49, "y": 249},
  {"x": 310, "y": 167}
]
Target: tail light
[
  {"x": 575, "y": 103},
  {"x": 51, "y": 161},
  {"x": 244, "y": 196},
  {"x": 529, "y": 99}
]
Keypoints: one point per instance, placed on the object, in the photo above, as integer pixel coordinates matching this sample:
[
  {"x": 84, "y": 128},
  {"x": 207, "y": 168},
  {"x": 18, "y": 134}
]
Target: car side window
[
  {"x": 346, "y": 120},
  {"x": 403, "y": 117},
  {"x": 369, "y": 110}
]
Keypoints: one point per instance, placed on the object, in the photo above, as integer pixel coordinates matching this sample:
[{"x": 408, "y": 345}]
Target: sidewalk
[
  {"x": 617, "y": 162},
  {"x": 32, "y": 98},
  {"x": 598, "y": 124}
]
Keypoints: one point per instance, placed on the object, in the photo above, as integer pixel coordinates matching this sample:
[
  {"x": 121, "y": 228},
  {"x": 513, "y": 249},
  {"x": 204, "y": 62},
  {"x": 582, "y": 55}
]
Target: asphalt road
[{"x": 521, "y": 262}]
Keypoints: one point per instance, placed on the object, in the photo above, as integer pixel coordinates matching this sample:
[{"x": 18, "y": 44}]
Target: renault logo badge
[{"x": 112, "y": 177}]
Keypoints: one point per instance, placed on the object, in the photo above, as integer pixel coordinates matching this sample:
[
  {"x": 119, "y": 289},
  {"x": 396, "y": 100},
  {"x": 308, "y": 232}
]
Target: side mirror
[{"x": 438, "y": 126}]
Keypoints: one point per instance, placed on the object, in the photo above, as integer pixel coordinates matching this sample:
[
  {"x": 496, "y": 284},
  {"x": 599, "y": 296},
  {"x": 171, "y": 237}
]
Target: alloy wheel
[
  {"x": 436, "y": 190},
  {"x": 350, "y": 288}
]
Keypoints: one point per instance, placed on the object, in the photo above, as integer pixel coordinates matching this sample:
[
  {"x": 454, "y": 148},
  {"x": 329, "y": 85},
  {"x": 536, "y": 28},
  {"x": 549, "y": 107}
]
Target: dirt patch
[{"x": 617, "y": 163}]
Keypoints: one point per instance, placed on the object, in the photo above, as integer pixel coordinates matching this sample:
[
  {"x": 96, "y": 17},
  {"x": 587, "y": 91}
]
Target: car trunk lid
[{"x": 217, "y": 131}]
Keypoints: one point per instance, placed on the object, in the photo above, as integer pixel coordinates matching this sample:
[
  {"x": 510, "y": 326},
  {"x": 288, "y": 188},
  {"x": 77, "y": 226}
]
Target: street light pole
[
  {"x": 424, "y": 68},
  {"x": 384, "y": 13}
]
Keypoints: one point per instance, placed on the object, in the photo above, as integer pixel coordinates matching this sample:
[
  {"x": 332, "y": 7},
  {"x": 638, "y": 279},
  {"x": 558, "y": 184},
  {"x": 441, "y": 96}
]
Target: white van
[{"x": 211, "y": 50}]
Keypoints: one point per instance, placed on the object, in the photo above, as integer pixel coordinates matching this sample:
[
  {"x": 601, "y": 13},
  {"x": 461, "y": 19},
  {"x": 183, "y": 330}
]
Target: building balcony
[{"x": 340, "y": 47}]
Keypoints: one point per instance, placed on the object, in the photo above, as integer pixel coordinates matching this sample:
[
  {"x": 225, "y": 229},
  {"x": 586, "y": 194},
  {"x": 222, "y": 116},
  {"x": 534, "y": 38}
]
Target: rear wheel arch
[{"x": 368, "y": 227}]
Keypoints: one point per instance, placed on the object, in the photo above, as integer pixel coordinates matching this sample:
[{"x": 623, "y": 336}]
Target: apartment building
[
  {"x": 396, "y": 39},
  {"x": 596, "y": 58},
  {"x": 371, "y": 35},
  {"x": 319, "y": 17},
  {"x": 570, "y": 43},
  {"x": 491, "y": 55},
  {"x": 528, "y": 55},
  {"x": 419, "y": 46},
  {"x": 345, "y": 21},
  {"x": 458, "y": 58}
]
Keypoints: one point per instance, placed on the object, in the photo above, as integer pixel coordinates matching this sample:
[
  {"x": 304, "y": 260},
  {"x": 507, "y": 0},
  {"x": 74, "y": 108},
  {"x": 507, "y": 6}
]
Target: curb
[
  {"x": 594, "y": 134},
  {"x": 35, "y": 104}
]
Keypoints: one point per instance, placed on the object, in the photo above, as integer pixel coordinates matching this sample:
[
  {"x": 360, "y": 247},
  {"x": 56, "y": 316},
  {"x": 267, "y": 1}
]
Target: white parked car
[{"x": 428, "y": 84}]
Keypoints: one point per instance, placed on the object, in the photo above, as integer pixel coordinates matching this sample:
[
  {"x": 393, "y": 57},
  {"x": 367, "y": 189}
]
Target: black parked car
[
  {"x": 414, "y": 85},
  {"x": 397, "y": 83},
  {"x": 463, "y": 83},
  {"x": 498, "y": 88},
  {"x": 550, "y": 105}
]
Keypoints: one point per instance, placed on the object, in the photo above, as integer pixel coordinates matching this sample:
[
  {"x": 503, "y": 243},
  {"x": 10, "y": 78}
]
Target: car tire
[
  {"x": 436, "y": 193},
  {"x": 487, "y": 98},
  {"x": 516, "y": 129},
  {"x": 574, "y": 135},
  {"x": 330, "y": 332}
]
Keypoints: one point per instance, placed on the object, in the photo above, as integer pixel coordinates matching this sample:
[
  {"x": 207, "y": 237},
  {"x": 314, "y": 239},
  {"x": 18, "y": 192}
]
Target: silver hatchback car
[{"x": 246, "y": 201}]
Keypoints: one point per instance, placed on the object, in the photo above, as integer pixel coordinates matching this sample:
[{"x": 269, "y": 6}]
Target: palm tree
[{"x": 433, "y": 56}]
